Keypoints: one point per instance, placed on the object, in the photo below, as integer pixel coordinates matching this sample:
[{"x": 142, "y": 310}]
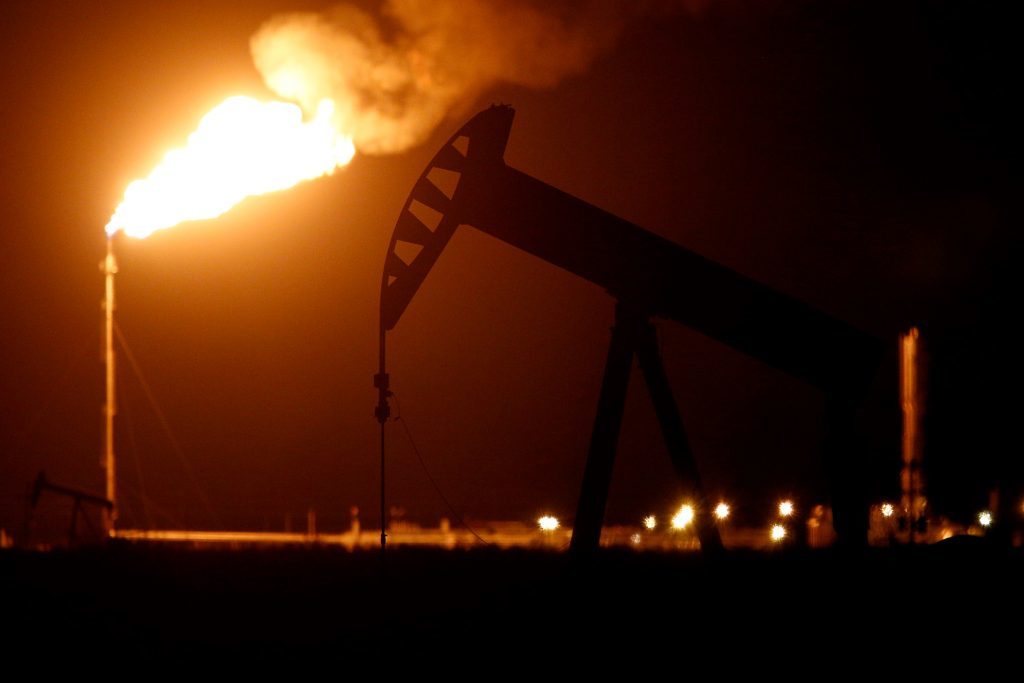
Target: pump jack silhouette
[{"x": 649, "y": 277}]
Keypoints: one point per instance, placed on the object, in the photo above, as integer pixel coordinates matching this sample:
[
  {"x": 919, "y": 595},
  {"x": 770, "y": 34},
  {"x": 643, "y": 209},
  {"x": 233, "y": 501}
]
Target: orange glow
[
  {"x": 253, "y": 537},
  {"x": 242, "y": 148}
]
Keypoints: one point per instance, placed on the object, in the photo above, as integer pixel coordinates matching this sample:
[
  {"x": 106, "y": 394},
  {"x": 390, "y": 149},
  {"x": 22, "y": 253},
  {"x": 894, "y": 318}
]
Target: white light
[
  {"x": 887, "y": 510},
  {"x": 985, "y": 518},
  {"x": 722, "y": 510},
  {"x": 650, "y": 522},
  {"x": 778, "y": 532},
  {"x": 548, "y": 523},
  {"x": 683, "y": 518},
  {"x": 785, "y": 508}
]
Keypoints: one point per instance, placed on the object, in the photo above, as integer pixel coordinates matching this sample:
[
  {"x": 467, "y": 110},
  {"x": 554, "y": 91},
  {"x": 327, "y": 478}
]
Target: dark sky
[{"x": 858, "y": 156}]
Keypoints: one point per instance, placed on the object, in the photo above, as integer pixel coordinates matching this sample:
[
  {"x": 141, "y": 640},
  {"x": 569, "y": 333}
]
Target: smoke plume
[{"x": 393, "y": 79}]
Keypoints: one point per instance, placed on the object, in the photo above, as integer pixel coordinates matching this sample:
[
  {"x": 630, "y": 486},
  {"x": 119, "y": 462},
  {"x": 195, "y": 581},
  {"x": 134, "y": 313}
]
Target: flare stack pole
[{"x": 110, "y": 406}]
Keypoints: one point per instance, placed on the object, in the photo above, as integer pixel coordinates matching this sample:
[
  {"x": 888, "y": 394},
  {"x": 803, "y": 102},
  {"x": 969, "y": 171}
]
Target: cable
[
  {"x": 412, "y": 442},
  {"x": 133, "y": 444},
  {"x": 160, "y": 511},
  {"x": 175, "y": 445}
]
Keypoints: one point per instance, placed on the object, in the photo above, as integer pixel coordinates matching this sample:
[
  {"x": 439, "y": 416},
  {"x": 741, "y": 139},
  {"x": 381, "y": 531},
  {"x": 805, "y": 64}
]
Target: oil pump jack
[{"x": 649, "y": 277}]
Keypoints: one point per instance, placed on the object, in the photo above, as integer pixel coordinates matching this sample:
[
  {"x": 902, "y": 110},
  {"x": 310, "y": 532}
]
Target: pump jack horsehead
[{"x": 648, "y": 276}]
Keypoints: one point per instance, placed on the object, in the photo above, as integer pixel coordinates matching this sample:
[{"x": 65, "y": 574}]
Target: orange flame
[{"x": 242, "y": 148}]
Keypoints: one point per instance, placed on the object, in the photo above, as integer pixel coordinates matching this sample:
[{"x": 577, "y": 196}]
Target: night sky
[{"x": 859, "y": 156}]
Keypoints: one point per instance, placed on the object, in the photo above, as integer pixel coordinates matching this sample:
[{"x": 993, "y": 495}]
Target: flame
[{"x": 241, "y": 148}]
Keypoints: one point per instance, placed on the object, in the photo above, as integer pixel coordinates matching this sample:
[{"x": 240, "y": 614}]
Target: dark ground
[{"x": 450, "y": 610}]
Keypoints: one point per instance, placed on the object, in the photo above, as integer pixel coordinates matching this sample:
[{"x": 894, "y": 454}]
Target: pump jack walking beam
[{"x": 648, "y": 276}]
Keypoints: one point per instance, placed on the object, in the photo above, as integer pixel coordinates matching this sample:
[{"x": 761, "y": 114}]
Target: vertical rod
[
  {"x": 383, "y": 508},
  {"x": 382, "y": 413},
  {"x": 110, "y": 406},
  {"x": 911, "y": 482}
]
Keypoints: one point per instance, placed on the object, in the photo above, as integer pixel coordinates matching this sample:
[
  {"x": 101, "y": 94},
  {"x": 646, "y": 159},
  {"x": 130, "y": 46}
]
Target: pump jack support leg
[
  {"x": 845, "y": 469},
  {"x": 675, "y": 434},
  {"x": 597, "y": 477},
  {"x": 74, "y": 521}
]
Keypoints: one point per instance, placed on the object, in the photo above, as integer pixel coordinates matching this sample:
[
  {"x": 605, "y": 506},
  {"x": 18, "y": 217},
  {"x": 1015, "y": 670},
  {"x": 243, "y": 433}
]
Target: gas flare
[
  {"x": 241, "y": 148},
  {"x": 381, "y": 84}
]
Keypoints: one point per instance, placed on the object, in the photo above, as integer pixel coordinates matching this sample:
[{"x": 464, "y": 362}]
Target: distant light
[
  {"x": 548, "y": 523},
  {"x": 722, "y": 510},
  {"x": 650, "y": 522},
  {"x": 785, "y": 508},
  {"x": 635, "y": 538},
  {"x": 778, "y": 532},
  {"x": 683, "y": 518},
  {"x": 985, "y": 518},
  {"x": 888, "y": 510}
]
